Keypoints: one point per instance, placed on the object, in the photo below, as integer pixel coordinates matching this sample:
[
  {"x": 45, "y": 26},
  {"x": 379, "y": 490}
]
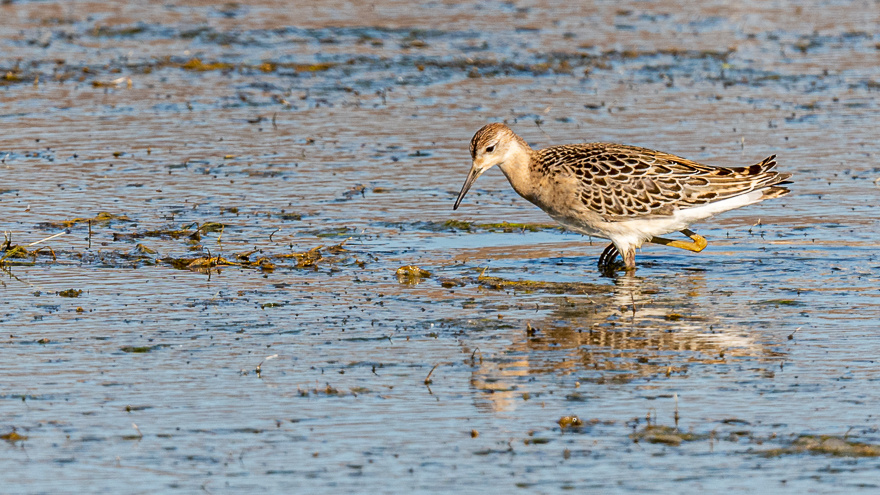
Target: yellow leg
[{"x": 697, "y": 244}]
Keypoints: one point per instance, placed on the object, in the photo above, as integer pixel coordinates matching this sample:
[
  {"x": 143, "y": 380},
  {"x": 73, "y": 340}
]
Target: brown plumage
[
  {"x": 624, "y": 193},
  {"x": 619, "y": 181}
]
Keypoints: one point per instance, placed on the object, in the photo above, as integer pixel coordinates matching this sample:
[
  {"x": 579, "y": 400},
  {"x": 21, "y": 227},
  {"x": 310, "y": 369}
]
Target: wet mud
[{"x": 230, "y": 260}]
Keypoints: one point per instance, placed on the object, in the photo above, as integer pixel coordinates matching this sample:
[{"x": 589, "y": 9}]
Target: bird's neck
[{"x": 517, "y": 168}]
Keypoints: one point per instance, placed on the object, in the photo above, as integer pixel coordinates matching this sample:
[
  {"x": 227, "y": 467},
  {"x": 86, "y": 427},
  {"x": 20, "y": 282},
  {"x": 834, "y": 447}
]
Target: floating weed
[
  {"x": 338, "y": 248},
  {"x": 14, "y": 76},
  {"x": 102, "y": 218},
  {"x": 411, "y": 274},
  {"x": 139, "y": 349},
  {"x": 109, "y": 31},
  {"x": 195, "y": 64},
  {"x": 13, "y": 436},
  {"x": 536, "y": 441},
  {"x": 16, "y": 252},
  {"x": 455, "y": 225},
  {"x": 328, "y": 390},
  {"x": 778, "y": 302},
  {"x": 309, "y": 67},
  {"x": 570, "y": 422},
  {"x": 336, "y": 232},
  {"x": 71, "y": 293},
  {"x": 205, "y": 263},
  {"x": 141, "y": 249},
  {"x": 666, "y": 435},
  {"x": 193, "y": 231},
  {"x": 357, "y": 189},
  {"x": 452, "y": 282},
  {"x": 825, "y": 445},
  {"x": 305, "y": 259},
  {"x": 211, "y": 227},
  {"x": 497, "y": 283},
  {"x": 209, "y": 262},
  {"x": 245, "y": 256},
  {"x": 462, "y": 226}
]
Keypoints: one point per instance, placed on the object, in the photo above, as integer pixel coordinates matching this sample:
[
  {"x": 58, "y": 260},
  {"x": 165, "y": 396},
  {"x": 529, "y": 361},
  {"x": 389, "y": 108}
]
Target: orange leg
[{"x": 697, "y": 244}]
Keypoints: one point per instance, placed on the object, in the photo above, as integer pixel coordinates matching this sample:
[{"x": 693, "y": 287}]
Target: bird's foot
[
  {"x": 697, "y": 243},
  {"x": 609, "y": 265}
]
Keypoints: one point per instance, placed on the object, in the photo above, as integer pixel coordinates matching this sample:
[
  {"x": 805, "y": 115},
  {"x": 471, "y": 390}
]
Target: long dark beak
[{"x": 472, "y": 177}]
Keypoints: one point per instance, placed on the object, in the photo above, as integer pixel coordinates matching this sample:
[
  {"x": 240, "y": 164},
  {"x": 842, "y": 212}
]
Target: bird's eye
[{"x": 490, "y": 149}]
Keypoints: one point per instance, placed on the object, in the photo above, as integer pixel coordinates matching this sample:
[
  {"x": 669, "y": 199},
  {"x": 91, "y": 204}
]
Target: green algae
[
  {"x": 138, "y": 349},
  {"x": 825, "y": 445},
  {"x": 778, "y": 302},
  {"x": 411, "y": 274},
  {"x": 506, "y": 227},
  {"x": 497, "y": 283},
  {"x": 103, "y": 219},
  {"x": 15, "y": 252},
  {"x": 666, "y": 435},
  {"x": 196, "y": 64},
  {"x": 187, "y": 230}
]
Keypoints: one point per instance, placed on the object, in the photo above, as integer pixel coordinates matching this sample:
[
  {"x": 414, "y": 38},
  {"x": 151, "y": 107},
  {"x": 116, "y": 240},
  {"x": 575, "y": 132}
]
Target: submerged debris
[
  {"x": 102, "y": 218},
  {"x": 196, "y": 64},
  {"x": 138, "y": 349},
  {"x": 141, "y": 249},
  {"x": 665, "y": 434},
  {"x": 16, "y": 252},
  {"x": 306, "y": 259},
  {"x": 205, "y": 263},
  {"x": 193, "y": 231},
  {"x": 826, "y": 445},
  {"x": 538, "y": 285},
  {"x": 506, "y": 227},
  {"x": 570, "y": 422},
  {"x": 411, "y": 274},
  {"x": 13, "y": 436}
]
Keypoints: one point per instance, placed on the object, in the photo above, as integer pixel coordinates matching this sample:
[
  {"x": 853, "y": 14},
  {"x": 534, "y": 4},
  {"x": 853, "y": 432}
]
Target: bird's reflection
[{"x": 637, "y": 329}]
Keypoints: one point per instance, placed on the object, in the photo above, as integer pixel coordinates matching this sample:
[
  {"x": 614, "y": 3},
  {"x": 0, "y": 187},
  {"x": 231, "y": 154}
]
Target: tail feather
[{"x": 775, "y": 191}]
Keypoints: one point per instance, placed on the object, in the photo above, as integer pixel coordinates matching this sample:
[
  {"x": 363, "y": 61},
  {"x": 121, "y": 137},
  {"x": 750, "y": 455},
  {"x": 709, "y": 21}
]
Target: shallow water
[{"x": 349, "y": 131}]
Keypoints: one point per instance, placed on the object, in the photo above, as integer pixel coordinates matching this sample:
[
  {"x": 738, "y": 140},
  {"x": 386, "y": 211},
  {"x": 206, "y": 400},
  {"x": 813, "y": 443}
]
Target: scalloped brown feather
[{"x": 622, "y": 182}]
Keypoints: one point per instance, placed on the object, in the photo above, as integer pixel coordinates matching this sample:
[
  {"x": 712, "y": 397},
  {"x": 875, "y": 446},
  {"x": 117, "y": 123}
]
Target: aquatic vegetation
[
  {"x": 825, "y": 445},
  {"x": 139, "y": 349},
  {"x": 570, "y": 422},
  {"x": 453, "y": 225},
  {"x": 553, "y": 287},
  {"x": 196, "y": 64},
  {"x": 666, "y": 435},
  {"x": 103, "y": 218},
  {"x": 203, "y": 165},
  {"x": 13, "y": 436},
  {"x": 411, "y": 274},
  {"x": 12, "y": 254}
]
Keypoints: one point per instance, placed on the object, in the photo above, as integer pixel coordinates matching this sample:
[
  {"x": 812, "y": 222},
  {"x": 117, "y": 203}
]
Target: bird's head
[{"x": 494, "y": 144}]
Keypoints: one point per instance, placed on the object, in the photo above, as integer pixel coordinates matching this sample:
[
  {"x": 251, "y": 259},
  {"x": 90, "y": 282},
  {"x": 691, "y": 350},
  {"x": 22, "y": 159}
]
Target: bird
[{"x": 626, "y": 194}]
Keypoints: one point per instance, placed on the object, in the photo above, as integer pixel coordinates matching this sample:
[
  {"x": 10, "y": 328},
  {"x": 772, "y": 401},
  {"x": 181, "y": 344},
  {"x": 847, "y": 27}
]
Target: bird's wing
[{"x": 621, "y": 182}]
